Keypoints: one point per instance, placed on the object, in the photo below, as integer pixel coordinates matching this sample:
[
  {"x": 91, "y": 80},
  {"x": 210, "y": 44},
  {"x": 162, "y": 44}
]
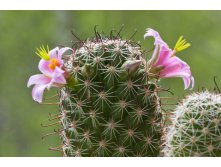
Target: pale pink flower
[
  {"x": 164, "y": 63},
  {"x": 51, "y": 67}
]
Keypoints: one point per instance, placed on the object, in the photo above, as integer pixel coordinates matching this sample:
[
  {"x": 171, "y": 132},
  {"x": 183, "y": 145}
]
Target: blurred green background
[{"x": 22, "y": 31}]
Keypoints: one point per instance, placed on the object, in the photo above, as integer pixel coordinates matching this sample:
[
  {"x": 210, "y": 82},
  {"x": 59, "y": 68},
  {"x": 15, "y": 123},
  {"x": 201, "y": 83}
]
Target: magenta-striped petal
[
  {"x": 38, "y": 79},
  {"x": 175, "y": 70},
  {"x": 170, "y": 71},
  {"x": 172, "y": 65},
  {"x": 37, "y": 92},
  {"x": 164, "y": 55},
  {"x": 44, "y": 67},
  {"x": 158, "y": 40}
]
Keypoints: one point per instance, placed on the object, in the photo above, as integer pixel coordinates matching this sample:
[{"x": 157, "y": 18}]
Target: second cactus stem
[{"x": 196, "y": 127}]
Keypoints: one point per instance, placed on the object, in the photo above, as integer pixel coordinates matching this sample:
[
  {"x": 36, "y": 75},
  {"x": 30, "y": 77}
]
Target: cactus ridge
[
  {"x": 109, "y": 107},
  {"x": 196, "y": 127}
]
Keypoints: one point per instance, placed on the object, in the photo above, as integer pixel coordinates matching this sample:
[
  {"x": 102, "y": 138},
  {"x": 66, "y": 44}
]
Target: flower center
[{"x": 54, "y": 63}]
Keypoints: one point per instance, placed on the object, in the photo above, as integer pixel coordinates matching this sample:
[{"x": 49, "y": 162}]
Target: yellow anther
[{"x": 54, "y": 63}]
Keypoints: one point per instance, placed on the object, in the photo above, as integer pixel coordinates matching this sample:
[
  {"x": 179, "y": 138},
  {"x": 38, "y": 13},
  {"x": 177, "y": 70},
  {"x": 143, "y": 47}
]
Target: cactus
[
  {"x": 196, "y": 127},
  {"x": 109, "y": 107},
  {"x": 109, "y": 103}
]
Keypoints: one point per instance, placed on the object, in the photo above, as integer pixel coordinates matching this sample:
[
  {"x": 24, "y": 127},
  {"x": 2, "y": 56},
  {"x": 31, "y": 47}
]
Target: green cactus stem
[{"x": 109, "y": 107}]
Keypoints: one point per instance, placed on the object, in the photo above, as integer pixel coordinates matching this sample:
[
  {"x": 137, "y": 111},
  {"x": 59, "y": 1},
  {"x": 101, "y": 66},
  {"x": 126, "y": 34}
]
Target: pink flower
[
  {"x": 53, "y": 76},
  {"x": 164, "y": 63}
]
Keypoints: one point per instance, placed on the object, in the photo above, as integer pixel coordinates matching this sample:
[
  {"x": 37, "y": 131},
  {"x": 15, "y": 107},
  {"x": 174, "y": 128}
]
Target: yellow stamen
[
  {"x": 54, "y": 63},
  {"x": 43, "y": 53},
  {"x": 181, "y": 44}
]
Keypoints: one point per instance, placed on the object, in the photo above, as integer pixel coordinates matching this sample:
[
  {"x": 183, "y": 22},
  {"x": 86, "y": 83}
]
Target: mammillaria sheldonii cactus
[
  {"x": 109, "y": 103},
  {"x": 196, "y": 127}
]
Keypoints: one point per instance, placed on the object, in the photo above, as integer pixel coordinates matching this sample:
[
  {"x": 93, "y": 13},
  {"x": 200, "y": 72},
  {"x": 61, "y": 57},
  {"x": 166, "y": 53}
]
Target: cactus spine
[
  {"x": 109, "y": 107},
  {"x": 196, "y": 127}
]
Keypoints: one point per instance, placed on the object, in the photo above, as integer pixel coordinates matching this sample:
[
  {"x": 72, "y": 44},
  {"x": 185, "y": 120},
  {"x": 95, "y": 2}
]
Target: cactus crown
[
  {"x": 195, "y": 129},
  {"x": 109, "y": 107}
]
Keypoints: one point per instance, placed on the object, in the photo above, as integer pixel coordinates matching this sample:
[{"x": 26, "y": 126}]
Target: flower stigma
[
  {"x": 43, "y": 52},
  {"x": 181, "y": 44}
]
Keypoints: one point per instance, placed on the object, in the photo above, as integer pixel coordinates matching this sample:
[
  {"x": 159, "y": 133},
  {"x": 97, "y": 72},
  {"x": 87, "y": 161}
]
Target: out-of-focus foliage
[{"x": 23, "y": 31}]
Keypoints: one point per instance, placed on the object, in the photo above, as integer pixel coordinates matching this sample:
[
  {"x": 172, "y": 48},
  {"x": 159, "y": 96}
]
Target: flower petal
[
  {"x": 187, "y": 82},
  {"x": 174, "y": 67},
  {"x": 164, "y": 55},
  {"x": 57, "y": 53},
  {"x": 44, "y": 67},
  {"x": 37, "y": 92},
  {"x": 170, "y": 65},
  {"x": 174, "y": 71},
  {"x": 58, "y": 77},
  {"x": 38, "y": 79},
  {"x": 158, "y": 40},
  {"x": 54, "y": 53},
  {"x": 192, "y": 81},
  {"x": 62, "y": 51},
  {"x": 164, "y": 52}
]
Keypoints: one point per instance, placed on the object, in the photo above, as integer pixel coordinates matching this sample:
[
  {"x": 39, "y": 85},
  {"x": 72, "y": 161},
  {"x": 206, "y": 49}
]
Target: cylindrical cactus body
[
  {"x": 109, "y": 107},
  {"x": 196, "y": 127}
]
